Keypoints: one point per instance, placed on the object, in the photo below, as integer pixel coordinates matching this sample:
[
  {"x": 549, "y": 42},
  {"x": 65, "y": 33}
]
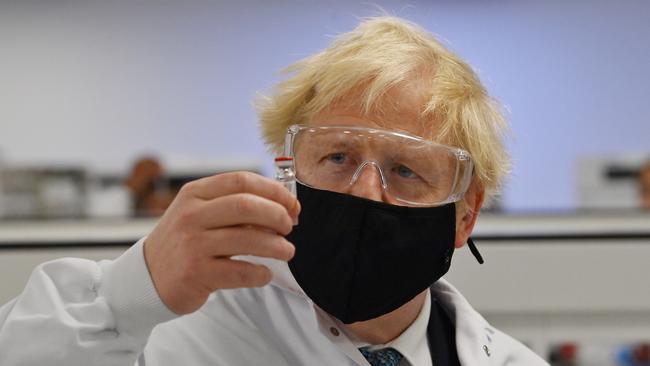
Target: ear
[{"x": 467, "y": 215}]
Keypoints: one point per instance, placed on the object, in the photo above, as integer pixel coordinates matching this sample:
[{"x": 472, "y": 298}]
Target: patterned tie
[{"x": 382, "y": 357}]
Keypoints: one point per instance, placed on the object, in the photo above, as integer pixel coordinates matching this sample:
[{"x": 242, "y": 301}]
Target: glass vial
[{"x": 285, "y": 173}]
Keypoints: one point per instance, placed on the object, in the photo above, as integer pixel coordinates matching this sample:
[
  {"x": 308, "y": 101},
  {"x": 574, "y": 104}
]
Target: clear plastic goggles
[{"x": 413, "y": 171}]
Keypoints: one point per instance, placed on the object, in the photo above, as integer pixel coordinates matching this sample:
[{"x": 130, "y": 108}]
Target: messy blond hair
[{"x": 381, "y": 53}]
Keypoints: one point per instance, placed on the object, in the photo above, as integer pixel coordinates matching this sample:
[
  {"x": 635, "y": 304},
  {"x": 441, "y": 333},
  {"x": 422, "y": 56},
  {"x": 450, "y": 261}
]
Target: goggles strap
[{"x": 474, "y": 250}]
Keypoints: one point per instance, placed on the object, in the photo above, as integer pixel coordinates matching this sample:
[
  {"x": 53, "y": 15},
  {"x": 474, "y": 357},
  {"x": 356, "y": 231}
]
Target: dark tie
[{"x": 381, "y": 357}]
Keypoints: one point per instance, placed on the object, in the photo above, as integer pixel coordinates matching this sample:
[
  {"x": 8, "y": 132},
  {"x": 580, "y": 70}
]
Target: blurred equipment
[
  {"x": 42, "y": 192},
  {"x": 644, "y": 186},
  {"x": 53, "y": 192},
  {"x": 635, "y": 355},
  {"x": 564, "y": 354},
  {"x": 599, "y": 354},
  {"x": 611, "y": 183},
  {"x": 108, "y": 197}
]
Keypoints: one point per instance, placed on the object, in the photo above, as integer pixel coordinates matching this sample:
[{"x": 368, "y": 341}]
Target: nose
[{"x": 367, "y": 182}]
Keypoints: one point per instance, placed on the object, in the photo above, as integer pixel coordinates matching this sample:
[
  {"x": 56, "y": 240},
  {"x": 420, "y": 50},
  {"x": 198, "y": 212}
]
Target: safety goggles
[{"x": 412, "y": 170}]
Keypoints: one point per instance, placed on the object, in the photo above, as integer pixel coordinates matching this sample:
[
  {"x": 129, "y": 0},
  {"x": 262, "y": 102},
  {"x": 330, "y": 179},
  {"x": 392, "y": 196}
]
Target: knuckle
[
  {"x": 288, "y": 249},
  {"x": 242, "y": 181},
  {"x": 245, "y": 204},
  {"x": 187, "y": 217},
  {"x": 215, "y": 179},
  {"x": 263, "y": 276},
  {"x": 187, "y": 189},
  {"x": 285, "y": 224},
  {"x": 288, "y": 225},
  {"x": 188, "y": 239}
]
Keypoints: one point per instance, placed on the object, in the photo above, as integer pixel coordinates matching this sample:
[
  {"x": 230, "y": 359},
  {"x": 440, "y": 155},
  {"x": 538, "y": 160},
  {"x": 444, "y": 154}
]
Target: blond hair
[{"x": 381, "y": 53}]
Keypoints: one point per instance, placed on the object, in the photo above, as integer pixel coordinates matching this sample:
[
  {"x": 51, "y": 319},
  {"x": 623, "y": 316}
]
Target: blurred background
[{"x": 107, "y": 108}]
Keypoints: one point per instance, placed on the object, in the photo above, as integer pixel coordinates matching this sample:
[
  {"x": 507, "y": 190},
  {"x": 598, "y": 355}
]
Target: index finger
[{"x": 224, "y": 184}]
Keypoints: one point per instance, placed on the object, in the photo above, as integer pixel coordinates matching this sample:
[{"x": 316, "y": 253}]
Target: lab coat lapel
[
  {"x": 475, "y": 332},
  {"x": 441, "y": 336}
]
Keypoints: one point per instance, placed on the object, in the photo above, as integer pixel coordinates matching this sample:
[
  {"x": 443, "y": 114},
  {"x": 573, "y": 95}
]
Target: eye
[
  {"x": 404, "y": 172},
  {"x": 336, "y": 158}
]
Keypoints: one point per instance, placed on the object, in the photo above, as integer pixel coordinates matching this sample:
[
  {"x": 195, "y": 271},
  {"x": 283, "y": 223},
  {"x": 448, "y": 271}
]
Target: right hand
[{"x": 213, "y": 218}]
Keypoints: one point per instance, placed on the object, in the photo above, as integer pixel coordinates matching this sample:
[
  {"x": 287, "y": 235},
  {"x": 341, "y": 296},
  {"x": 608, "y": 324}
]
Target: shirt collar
[{"x": 412, "y": 343}]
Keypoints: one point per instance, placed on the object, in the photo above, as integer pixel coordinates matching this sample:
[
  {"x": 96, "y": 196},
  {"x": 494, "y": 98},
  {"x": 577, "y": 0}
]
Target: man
[{"x": 396, "y": 147}]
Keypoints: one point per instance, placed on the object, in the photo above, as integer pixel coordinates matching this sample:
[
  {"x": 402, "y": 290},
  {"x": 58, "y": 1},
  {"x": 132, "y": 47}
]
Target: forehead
[{"x": 399, "y": 109}]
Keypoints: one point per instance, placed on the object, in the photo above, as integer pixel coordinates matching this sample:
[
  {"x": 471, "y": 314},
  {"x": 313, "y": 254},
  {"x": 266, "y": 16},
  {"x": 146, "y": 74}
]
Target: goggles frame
[{"x": 462, "y": 157}]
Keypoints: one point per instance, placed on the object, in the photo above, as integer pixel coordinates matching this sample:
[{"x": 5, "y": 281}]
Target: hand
[{"x": 188, "y": 253}]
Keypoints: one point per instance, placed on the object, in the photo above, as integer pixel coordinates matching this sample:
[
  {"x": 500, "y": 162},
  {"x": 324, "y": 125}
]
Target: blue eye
[
  {"x": 336, "y": 158},
  {"x": 405, "y": 172}
]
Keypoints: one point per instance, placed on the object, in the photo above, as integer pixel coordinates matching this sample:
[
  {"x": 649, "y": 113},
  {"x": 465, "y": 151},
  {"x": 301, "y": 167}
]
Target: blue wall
[{"x": 100, "y": 82}]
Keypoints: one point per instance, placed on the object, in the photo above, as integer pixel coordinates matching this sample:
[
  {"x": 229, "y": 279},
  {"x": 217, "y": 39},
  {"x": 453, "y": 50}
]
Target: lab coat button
[
  {"x": 487, "y": 350},
  {"x": 335, "y": 332}
]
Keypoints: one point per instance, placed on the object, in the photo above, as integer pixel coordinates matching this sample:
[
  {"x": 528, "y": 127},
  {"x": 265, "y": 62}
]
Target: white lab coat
[{"x": 78, "y": 312}]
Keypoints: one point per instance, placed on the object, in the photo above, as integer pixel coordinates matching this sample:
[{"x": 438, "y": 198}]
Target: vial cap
[{"x": 284, "y": 161}]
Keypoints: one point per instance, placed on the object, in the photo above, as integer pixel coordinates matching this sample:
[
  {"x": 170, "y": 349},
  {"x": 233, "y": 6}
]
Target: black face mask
[{"x": 359, "y": 259}]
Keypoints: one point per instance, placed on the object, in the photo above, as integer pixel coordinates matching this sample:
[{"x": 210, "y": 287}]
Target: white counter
[{"x": 490, "y": 227}]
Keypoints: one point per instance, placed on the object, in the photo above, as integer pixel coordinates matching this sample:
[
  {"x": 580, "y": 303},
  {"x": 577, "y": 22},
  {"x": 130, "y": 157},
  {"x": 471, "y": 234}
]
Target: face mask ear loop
[{"x": 474, "y": 250}]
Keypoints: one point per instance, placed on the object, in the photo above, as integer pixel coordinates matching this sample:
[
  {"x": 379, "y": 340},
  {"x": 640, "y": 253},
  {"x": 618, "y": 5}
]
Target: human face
[{"x": 399, "y": 111}]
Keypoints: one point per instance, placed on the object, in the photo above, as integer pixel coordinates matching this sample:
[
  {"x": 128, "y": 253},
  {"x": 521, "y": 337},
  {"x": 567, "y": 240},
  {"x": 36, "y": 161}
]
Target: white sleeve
[{"x": 80, "y": 312}]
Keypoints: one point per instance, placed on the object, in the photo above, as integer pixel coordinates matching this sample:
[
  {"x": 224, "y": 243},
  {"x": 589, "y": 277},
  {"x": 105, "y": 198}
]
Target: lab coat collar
[
  {"x": 477, "y": 342},
  {"x": 474, "y": 334}
]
